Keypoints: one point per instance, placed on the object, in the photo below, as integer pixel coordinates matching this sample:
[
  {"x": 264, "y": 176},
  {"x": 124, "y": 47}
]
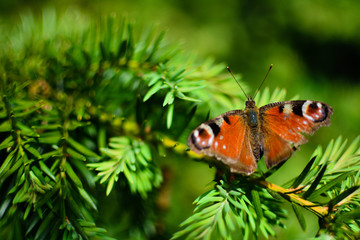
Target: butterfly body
[{"x": 239, "y": 138}]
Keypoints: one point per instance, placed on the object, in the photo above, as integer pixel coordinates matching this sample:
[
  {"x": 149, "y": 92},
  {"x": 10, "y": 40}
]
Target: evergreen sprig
[
  {"x": 132, "y": 158},
  {"x": 233, "y": 210},
  {"x": 332, "y": 181}
]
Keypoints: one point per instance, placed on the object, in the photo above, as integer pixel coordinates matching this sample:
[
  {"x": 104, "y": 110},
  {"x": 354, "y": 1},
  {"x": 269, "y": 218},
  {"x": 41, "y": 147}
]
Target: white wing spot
[
  {"x": 216, "y": 144},
  {"x": 203, "y": 143},
  {"x": 318, "y": 105},
  {"x": 221, "y": 137},
  {"x": 305, "y": 107},
  {"x": 287, "y": 108},
  {"x": 308, "y": 117},
  {"x": 196, "y": 133},
  {"x": 211, "y": 140},
  {"x": 224, "y": 146}
]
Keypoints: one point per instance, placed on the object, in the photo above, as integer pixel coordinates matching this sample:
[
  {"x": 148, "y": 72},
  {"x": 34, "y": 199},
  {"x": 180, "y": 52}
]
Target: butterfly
[{"x": 239, "y": 138}]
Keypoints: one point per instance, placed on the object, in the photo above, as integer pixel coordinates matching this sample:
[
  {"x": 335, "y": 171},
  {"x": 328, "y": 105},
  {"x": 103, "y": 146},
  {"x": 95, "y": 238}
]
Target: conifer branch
[{"x": 291, "y": 197}]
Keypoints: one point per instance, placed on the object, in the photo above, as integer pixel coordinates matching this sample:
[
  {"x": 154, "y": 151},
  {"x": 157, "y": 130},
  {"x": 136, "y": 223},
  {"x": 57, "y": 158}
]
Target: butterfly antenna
[
  {"x": 237, "y": 81},
  {"x": 271, "y": 65}
]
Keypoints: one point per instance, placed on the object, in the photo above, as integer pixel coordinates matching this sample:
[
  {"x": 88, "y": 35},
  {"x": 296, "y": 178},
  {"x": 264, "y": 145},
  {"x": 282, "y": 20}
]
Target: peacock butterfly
[{"x": 239, "y": 138}]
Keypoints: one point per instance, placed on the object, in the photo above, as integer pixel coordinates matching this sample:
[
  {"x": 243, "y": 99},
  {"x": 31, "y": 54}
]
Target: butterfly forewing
[
  {"x": 228, "y": 138},
  {"x": 282, "y": 124}
]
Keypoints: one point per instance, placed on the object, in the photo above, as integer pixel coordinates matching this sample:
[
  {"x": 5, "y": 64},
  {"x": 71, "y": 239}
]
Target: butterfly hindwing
[
  {"x": 282, "y": 124},
  {"x": 228, "y": 138}
]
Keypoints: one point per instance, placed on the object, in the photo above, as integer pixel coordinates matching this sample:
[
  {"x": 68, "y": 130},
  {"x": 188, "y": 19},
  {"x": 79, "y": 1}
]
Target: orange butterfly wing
[
  {"x": 226, "y": 137},
  {"x": 282, "y": 124}
]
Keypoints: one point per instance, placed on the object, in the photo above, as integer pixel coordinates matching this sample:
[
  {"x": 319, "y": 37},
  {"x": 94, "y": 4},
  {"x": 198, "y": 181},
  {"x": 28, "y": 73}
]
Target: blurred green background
[{"x": 314, "y": 46}]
